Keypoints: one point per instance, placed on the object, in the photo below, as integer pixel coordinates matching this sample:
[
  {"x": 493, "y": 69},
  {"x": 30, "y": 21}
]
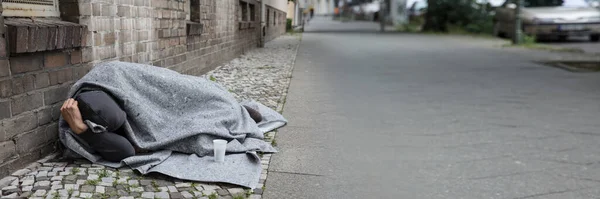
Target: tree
[{"x": 466, "y": 14}]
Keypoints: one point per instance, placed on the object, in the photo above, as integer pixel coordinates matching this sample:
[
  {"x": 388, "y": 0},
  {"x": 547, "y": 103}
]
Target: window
[
  {"x": 192, "y": 11},
  {"x": 252, "y": 12},
  {"x": 268, "y": 17},
  {"x": 30, "y": 8},
  {"x": 243, "y": 11}
]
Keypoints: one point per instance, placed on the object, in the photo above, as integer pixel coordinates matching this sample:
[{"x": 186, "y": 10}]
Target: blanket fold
[{"x": 176, "y": 117}]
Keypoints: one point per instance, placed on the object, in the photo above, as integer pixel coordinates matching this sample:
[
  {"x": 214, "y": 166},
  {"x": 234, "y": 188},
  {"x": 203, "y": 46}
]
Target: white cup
[{"x": 219, "y": 149}]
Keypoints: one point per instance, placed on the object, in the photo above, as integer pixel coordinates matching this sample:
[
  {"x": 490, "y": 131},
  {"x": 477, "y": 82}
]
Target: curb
[{"x": 280, "y": 106}]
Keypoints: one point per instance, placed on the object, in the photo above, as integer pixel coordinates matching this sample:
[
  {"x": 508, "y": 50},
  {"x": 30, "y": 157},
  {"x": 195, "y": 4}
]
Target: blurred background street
[{"x": 410, "y": 115}]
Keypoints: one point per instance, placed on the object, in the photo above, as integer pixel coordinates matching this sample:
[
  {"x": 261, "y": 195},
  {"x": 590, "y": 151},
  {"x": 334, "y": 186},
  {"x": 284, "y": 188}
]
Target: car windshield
[{"x": 556, "y": 3}]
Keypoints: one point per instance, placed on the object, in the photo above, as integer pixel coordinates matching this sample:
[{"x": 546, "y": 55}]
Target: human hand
[{"x": 71, "y": 114}]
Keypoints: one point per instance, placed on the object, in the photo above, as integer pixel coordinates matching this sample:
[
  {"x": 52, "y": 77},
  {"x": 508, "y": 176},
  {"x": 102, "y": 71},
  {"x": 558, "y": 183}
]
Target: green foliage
[
  {"x": 103, "y": 173},
  {"x": 467, "y": 15},
  {"x": 212, "y": 196},
  {"x": 239, "y": 197},
  {"x": 75, "y": 171},
  {"x": 528, "y": 40},
  {"x": 274, "y": 142},
  {"x": 288, "y": 25},
  {"x": 92, "y": 182}
]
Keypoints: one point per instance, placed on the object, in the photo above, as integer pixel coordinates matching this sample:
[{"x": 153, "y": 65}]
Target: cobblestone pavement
[{"x": 261, "y": 74}]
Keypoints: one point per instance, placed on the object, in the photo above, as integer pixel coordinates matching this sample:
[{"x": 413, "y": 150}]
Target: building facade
[
  {"x": 47, "y": 45},
  {"x": 321, "y": 7}
]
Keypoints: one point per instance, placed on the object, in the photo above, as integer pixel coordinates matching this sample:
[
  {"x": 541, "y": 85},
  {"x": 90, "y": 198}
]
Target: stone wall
[
  {"x": 274, "y": 23},
  {"x": 42, "y": 62}
]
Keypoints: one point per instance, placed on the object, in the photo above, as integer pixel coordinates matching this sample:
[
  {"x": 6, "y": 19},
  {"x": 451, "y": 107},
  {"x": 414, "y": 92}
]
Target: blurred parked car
[
  {"x": 594, "y": 3},
  {"x": 561, "y": 18}
]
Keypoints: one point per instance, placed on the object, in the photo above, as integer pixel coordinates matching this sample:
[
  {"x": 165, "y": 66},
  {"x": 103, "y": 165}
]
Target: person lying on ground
[{"x": 96, "y": 118}]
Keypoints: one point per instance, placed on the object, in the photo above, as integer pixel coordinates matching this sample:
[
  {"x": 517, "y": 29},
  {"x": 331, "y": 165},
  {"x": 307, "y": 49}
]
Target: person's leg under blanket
[{"x": 97, "y": 119}]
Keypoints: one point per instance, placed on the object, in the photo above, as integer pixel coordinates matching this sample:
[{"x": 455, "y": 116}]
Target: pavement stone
[
  {"x": 40, "y": 193},
  {"x": 183, "y": 185},
  {"x": 21, "y": 172},
  {"x": 161, "y": 195},
  {"x": 175, "y": 195},
  {"x": 13, "y": 195},
  {"x": 9, "y": 190},
  {"x": 186, "y": 194},
  {"x": 26, "y": 194},
  {"x": 253, "y": 196},
  {"x": 27, "y": 188},
  {"x": 172, "y": 189},
  {"x": 163, "y": 189},
  {"x": 222, "y": 192},
  {"x": 210, "y": 187},
  {"x": 133, "y": 182},
  {"x": 56, "y": 178},
  {"x": 148, "y": 195},
  {"x": 145, "y": 182},
  {"x": 72, "y": 186},
  {"x": 100, "y": 189},
  {"x": 85, "y": 195},
  {"x": 93, "y": 177},
  {"x": 136, "y": 189},
  {"x": 87, "y": 188},
  {"x": 234, "y": 191},
  {"x": 55, "y": 187}
]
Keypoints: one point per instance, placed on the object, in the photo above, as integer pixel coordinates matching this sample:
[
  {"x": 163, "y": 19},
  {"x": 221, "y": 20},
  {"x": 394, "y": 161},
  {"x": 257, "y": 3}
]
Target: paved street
[{"x": 423, "y": 116}]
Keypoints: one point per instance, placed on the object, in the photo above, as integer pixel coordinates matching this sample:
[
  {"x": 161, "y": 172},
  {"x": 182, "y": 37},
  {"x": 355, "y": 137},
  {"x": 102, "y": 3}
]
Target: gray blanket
[{"x": 177, "y": 117}]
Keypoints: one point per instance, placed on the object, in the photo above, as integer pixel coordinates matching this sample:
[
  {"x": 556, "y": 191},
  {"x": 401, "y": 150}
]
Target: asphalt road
[{"x": 422, "y": 116}]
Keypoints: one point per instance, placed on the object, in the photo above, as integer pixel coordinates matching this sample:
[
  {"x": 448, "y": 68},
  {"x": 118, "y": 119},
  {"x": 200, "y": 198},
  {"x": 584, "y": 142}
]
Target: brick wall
[
  {"x": 275, "y": 23},
  {"x": 34, "y": 84}
]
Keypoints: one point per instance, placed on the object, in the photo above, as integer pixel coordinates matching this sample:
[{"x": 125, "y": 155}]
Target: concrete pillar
[{"x": 398, "y": 12}]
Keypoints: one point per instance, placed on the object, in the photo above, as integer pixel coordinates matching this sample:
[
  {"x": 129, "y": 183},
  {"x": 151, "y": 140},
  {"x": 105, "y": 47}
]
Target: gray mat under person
[{"x": 96, "y": 118}]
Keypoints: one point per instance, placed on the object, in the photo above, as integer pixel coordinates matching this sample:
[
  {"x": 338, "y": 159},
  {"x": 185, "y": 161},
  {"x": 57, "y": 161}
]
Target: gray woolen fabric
[{"x": 177, "y": 116}]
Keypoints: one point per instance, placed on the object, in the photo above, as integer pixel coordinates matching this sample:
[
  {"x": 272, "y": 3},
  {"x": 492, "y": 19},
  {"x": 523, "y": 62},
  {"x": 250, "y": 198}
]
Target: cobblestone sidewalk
[{"x": 261, "y": 74}]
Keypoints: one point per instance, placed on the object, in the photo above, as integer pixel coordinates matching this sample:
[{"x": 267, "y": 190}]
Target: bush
[
  {"x": 445, "y": 15},
  {"x": 288, "y": 25}
]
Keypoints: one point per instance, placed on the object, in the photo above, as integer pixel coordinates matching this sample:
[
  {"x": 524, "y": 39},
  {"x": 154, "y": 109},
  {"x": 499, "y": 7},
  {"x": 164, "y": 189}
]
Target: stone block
[
  {"x": 22, "y": 84},
  {"x": 5, "y": 88},
  {"x": 123, "y": 11},
  {"x": 96, "y": 9},
  {"x": 4, "y": 68},
  {"x": 4, "y": 110},
  {"x": 45, "y": 116},
  {"x": 55, "y": 95},
  {"x": 7, "y": 151},
  {"x": 26, "y": 103},
  {"x": 42, "y": 80},
  {"x": 26, "y": 63},
  {"x": 87, "y": 54},
  {"x": 27, "y": 142},
  {"x": 55, "y": 59},
  {"x": 109, "y": 38},
  {"x": 60, "y": 76},
  {"x": 76, "y": 57}
]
